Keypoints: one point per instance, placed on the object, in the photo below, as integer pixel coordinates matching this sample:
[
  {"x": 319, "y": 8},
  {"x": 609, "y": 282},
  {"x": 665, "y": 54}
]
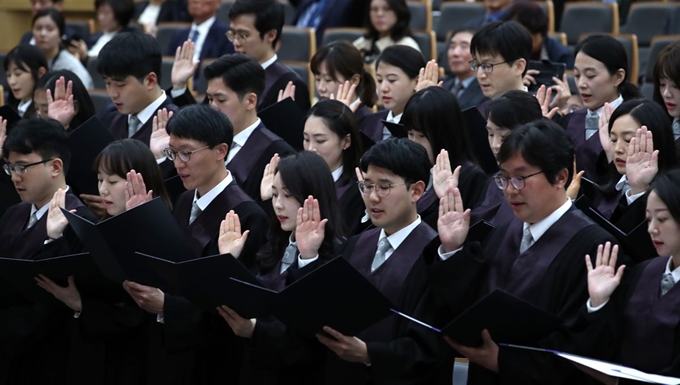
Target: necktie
[
  {"x": 289, "y": 256},
  {"x": 527, "y": 241},
  {"x": 195, "y": 212},
  {"x": 194, "y": 36},
  {"x": 380, "y": 255},
  {"x": 676, "y": 128},
  {"x": 592, "y": 124},
  {"x": 667, "y": 283},
  {"x": 457, "y": 88},
  {"x": 32, "y": 219},
  {"x": 133, "y": 125}
]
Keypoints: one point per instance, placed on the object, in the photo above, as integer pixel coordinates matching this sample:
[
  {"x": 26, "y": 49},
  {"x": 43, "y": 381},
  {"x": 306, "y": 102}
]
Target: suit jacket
[
  {"x": 118, "y": 123},
  {"x": 472, "y": 96},
  {"x": 247, "y": 167},
  {"x": 338, "y": 13},
  {"x": 276, "y": 76},
  {"x": 558, "y": 53},
  {"x": 167, "y": 12},
  {"x": 216, "y": 43}
]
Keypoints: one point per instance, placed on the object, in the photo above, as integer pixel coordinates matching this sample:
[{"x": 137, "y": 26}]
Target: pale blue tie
[
  {"x": 527, "y": 241},
  {"x": 667, "y": 283},
  {"x": 381, "y": 254}
]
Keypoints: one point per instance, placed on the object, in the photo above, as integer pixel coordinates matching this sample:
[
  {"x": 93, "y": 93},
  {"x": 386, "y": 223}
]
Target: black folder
[
  {"x": 174, "y": 187},
  {"x": 285, "y": 120},
  {"x": 86, "y": 142},
  {"x": 547, "y": 70},
  {"x": 397, "y": 130},
  {"x": 480, "y": 231},
  {"x": 475, "y": 124},
  {"x": 148, "y": 228},
  {"x": 509, "y": 320},
  {"x": 20, "y": 274},
  {"x": 209, "y": 282}
]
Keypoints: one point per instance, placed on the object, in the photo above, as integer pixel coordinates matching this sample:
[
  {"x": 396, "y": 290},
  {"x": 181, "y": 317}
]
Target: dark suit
[
  {"x": 118, "y": 123},
  {"x": 216, "y": 43},
  {"x": 472, "y": 95},
  {"x": 372, "y": 125},
  {"x": 167, "y": 12},
  {"x": 337, "y": 13},
  {"x": 276, "y": 77},
  {"x": 92, "y": 39}
]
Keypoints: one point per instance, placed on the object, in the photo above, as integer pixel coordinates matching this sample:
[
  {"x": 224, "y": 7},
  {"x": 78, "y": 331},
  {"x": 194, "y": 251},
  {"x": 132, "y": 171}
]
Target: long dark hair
[
  {"x": 667, "y": 188},
  {"x": 27, "y": 58},
  {"x": 58, "y": 19},
  {"x": 305, "y": 174},
  {"x": 667, "y": 66},
  {"x": 81, "y": 98},
  {"x": 400, "y": 29},
  {"x": 513, "y": 108},
  {"x": 121, "y": 156}
]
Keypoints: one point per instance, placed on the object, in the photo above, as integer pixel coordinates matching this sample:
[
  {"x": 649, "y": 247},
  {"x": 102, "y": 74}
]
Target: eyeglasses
[
  {"x": 382, "y": 190},
  {"x": 518, "y": 182},
  {"x": 241, "y": 36},
  {"x": 20, "y": 169},
  {"x": 486, "y": 68},
  {"x": 184, "y": 156}
]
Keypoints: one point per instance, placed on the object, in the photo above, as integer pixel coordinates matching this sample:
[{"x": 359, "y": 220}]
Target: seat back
[
  {"x": 165, "y": 31},
  {"x": 589, "y": 17},
  {"x": 223, "y": 12},
  {"x": 82, "y": 28},
  {"x": 455, "y": 15},
  {"x": 346, "y": 34},
  {"x": 97, "y": 79},
  {"x": 100, "y": 99},
  {"x": 421, "y": 15},
  {"x": 166, "y": 72},
  {"x": 549, "y": 9},
  {"x": 658, "y": 44},
  {"x": 647, "y": 20},
  {"x": 297, "y": 44},
  {"x": 426, "y": 42}
]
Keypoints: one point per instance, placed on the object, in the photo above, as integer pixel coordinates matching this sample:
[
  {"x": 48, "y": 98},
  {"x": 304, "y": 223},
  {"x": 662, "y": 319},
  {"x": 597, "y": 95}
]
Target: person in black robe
[
  {"x": 434, "y": 120},
  {"x": 188, "y": 345},
  {"x": 34, "y": 335},
  {"x": 665, "y": 80},
  {"x": 537, "y": 256}
]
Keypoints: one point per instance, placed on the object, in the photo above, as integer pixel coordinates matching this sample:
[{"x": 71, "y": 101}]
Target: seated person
[
  {"x": 462, "y": 82},
  {"x": 24, "y": 65},
  {"x": 82, "y": 108},
  {"x": 387, "y": 24},
  {"x": 48, "y": 30},
  {"x": 494, "y": 11},
  {"x": 113, "y": 17},
  {"x": 149, "y": 13},
  {"x": 322, "y": 14},
  {"x": 39, "y": 5},
  {"x": 543, "y": 47}
]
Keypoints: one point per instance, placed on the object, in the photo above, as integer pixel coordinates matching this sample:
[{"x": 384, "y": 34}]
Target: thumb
[
  {"x": 322, "y": 225},
  {"x": 486, "y": 337},
  {"x": 244, "y": 236},
  {"x": 71, "y": 282}
]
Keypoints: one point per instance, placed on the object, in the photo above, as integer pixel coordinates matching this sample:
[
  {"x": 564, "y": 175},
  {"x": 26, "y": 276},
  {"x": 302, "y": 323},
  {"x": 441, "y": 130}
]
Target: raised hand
[
  {"x": 604, "y": 278},
  {"x": 442, "y": 175},
  {"x": 603, "y": 130},
  {"x": 61, "y": 108},
  {"x": 56, "y": 221},
  {"x": 359, "y": 174},
  {"x": 242, "y": 327},
  {"x": 3, "y": 133},
  {"x": 454, "y": 222},
  {"x": 231, "y": 241},
  {"x": 160, "y": 140},
  {"x": 428, "y": 76},
  {"x": 347, "y": 95},
  {"x": 529, "y": 79},
  {"x": 642, "y": 163},
  {"x": 309, "y": 231},
  {"x": 562, "y": 92},
  {"x": 575, "y": 185},
  {"x": 69, "y": 295},
  {"x": 135, "y": 191},
  {"x": 544, "y": 95},
  {"x": 184, "y": 67},
  {"x": 268, "y": 178},
  {"x": 95, "y": 203},
  {"x": 288, "y": 92}
]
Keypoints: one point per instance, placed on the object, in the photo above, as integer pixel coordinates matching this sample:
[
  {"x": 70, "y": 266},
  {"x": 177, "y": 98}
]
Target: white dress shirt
[
  {"x": 240, "y": 140},
  {"x": 203, "y": 30},
  {"x": 269, "y": 62},
  {"x": 101, "y": 42},
  {"x": 149, "y": 15},
  {"x": 398, "y": 237},
  {"x": 337, "y": 173},
  {"x": 207, "y": 198},
  {"x": 147, "y": 113},
  {"x": 617, "y": 102},
  {"x": 23, "y": 106}
]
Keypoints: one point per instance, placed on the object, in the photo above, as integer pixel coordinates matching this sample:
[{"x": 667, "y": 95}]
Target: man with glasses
[
  {"x": 537, "y": 256},
  {"x": 190, "y": 346},
  {"x": 395, "y": 173},
  {"x": 500, "y": 55}
]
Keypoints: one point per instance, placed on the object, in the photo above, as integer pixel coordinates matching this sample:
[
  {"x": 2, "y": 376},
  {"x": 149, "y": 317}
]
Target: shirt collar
[
  {"x": 270, "y": 61},
  {"x": 622, "y": 183},
  {"x": 676, "y": 272},
  {"x": 23, "y": 106},
  {"x": 392, "y": 118},
  {"x": 338, "y": 173},
  {"x": 398, "y": 237},
  {"x": 466, "y": 82},
  {"x": 539, "y": 228},
  {"x": 148, "y": 111},
  {"x": 242, "y": 137},
  {"x": 41, "y": 211},
  {"x": 204, "y": 27},
  {"x": 208, "y": 197},
  {"x": 617, "y": 102}
]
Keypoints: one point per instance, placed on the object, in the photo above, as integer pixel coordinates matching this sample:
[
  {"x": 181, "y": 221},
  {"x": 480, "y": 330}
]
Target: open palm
[
  {"x": 454, "y": 222},
  {"x": 309, "y": 231},
  {"x": 231, "y": 240},
  {"x": 642, "y": 163},
  {"x": 603, "y": 278}
]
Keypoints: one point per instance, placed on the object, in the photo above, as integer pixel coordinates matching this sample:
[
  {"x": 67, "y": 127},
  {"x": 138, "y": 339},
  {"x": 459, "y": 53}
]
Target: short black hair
[
  {"x": 542, "y": 143},
  {"x": 400, "y": 29},
  {"x": 513, "y": 108},
  {"x": 530, "y": 15},
  {"x": 269, "y": 15},
  {"x": 202, "y": 123},
  {"x": 56, "y": 16},
  {"x": 81, "y": 96},
  {"x": 509, "y": 39},
  {"x": 123, "y": 10},
  {"x": 130, "y": 54},
  {"x": 400, "y": 156},
  {"x": 28, "y": 58},
  {"x": 667, "y": 188},
  {"x": 408, "y": 59},
  {"x": 45, "y": 137},
  {"x": 241, "y": 73},
  {"x": 667, "y": 66}
]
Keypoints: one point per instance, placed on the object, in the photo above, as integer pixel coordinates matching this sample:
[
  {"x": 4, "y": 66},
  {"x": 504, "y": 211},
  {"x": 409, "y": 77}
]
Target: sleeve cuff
[
  {"x": 632, "y": 198},
  {"x": 177, "y": 93},
  {"x": 304, "y": 262},
  {"x": 160, "y": 319},
  {"x": 76, "y": 314},
  {"x": 444, "y": 256},
  {"x": 594, "y": 309},
  {"x": 161, "y": 160}
]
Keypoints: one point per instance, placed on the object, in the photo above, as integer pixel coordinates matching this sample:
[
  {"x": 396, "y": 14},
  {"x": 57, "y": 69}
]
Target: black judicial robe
[
  {"x": 194, "y": 346},
  {"x": 589, "y": 154},
  {"x": 372, "y": 125},
  {"x": 247, "y": 167},
  {"x": 637, "y": 327},
  {"x": 276, "y": 77},
  {"x": 470, "y": 183},
  {"x": 403, "y": 279},
  {"x": 351, "y": 203},
  {"x": 33, "y": 338},
  {"x": 550, "y": 274},
  {"x": 118, "y": 123},
  {"x": 492, "y": 206}
]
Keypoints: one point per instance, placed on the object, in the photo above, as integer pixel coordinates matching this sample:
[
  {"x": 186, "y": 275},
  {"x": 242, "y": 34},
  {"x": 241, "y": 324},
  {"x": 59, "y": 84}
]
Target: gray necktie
[
  {"x": 133, "y": 125},
  {"x": 676, "y": 128},
  {"x": 195, "y": 212},
  {"x": 32, "y": 219},
  {"x": 288, "y": 256},
  {"x": 380, "y": 255},
  {"x": 667, "y": 283},
  {"x": 592, "y": 124},
  {"x": 527, "y": 241},
  {"x": 457, "y": 88},
  {"x": 194, "y": 36}
]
